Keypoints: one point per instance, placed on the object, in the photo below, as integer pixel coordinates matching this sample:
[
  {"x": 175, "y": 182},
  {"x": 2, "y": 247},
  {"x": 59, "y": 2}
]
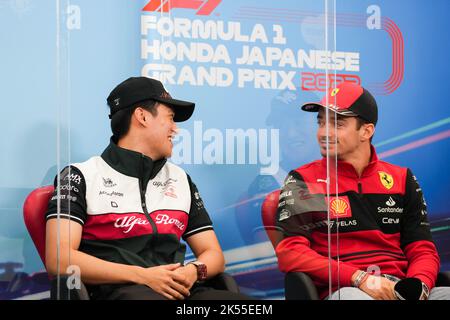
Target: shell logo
[{"x": 340, "y": 207}]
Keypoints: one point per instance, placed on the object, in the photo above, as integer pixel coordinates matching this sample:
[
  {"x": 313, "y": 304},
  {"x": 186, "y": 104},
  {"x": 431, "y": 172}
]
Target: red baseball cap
[{"x": 348, "y": 99}]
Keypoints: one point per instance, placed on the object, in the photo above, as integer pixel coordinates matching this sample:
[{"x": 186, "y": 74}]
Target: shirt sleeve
[
  {"x": 199, "y": 220},
  {"x": 299, "y": 212},
  {"x": 414, "y": 225},
  {"x": 416, "y": 241},
  {"x": 70, "y": 191}
]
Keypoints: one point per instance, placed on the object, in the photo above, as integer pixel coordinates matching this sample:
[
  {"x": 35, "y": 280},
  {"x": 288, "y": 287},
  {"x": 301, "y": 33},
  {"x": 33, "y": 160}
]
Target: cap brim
[
  {"x": 315, "y": 107},
  {"x": 312, "y": 107},
  {"x": 183, "y": 109}
]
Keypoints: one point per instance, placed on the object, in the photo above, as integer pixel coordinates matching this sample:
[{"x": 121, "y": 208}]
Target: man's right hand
[
  {"x": 378, "y": 288},
  {"x": 165, "y": 281}
]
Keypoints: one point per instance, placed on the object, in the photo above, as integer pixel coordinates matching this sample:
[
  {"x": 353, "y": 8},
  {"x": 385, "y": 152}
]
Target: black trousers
[{"x": 142, "y": 292}]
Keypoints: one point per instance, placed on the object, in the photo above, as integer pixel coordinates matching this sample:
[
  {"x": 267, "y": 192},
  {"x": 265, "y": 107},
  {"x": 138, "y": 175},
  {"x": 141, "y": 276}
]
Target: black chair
[
  {"x": 299, "y": 286},
  {"x": 443, "y": 279}
]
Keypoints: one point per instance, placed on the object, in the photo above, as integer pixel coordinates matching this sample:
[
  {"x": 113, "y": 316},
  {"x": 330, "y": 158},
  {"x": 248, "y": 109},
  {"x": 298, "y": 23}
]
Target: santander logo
[{"x": 129, "y": 222}]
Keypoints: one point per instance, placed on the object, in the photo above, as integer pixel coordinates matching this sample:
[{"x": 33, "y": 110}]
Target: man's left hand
[{"x": 190, "y": 272}]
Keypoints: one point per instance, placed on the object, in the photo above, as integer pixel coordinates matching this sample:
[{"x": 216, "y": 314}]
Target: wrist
[
  {"x": 359, "y": 278},
  {"x": 201, "y": 270},
  {"x": 354, "y": 275},
  {"x": 192, "y": 271},
  {"x": 136, "y": 275},
  {"x": 425, "y": 292}
]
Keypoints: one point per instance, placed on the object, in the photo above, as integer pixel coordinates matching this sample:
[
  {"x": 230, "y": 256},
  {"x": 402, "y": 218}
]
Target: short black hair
[{"x": 121, "y": 120}]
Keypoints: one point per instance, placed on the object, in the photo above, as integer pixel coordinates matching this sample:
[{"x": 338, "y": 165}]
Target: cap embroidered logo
[{"x": 334, "y": 92}]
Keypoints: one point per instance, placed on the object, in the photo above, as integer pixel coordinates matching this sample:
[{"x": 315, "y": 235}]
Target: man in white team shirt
[{"x": 125, "y": 212}]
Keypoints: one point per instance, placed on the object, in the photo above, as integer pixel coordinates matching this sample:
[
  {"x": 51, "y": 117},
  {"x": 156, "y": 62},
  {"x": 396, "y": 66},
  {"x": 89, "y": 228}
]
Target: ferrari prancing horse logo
[
  {"x": 386, "y": 179},
  {"x": 334, "y": 92}
]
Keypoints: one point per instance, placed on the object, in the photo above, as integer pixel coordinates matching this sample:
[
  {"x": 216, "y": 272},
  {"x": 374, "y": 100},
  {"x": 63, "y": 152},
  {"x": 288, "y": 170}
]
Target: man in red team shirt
[{"x": 379, "y": 238}]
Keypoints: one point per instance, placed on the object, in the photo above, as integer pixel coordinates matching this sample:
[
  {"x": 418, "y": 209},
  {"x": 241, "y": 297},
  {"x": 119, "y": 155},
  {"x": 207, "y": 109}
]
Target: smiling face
[
  {"x": 160, "y": 131},
  {"x": 344, "y": 137}
]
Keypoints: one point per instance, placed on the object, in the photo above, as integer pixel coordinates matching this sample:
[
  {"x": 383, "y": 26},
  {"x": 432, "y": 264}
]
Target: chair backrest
[
  {"x": 268, "y": 215},
  {"x": 297, "y": 285},
  {"x": 34, "y": 210}
]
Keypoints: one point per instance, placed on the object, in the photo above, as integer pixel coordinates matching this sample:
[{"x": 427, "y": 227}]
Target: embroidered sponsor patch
[
  {"x": 340, "y": 207},
  {"x": 386, "y": 179}
]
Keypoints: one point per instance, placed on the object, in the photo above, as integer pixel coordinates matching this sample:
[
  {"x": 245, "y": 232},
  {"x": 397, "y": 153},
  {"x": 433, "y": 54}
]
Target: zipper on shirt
[
  {"x": 143, "y": 202},
  {"x": 359, "y": 187}
]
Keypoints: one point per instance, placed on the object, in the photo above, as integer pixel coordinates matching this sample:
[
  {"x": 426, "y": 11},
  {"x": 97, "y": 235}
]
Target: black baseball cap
[
  {"x": 348, "y": 99},
  {"x": 138, "y": 89}
]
